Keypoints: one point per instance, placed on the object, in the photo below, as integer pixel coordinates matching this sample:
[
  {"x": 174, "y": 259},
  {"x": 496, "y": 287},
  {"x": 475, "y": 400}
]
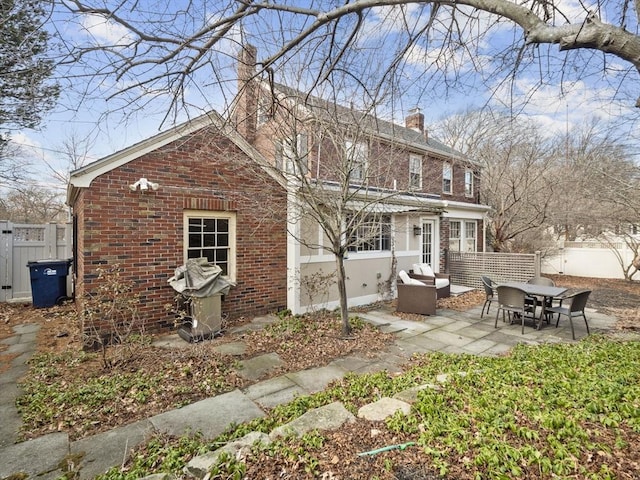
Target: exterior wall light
[
  {"x": 143, "y": 184},
  {"x": 417, "y": 231}
]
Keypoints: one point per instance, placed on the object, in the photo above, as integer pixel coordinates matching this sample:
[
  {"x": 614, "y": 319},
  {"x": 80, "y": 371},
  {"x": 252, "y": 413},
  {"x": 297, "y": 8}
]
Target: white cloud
[
  {"x": 457, "y": 61},
  {"x": 105, "y": 31},
  {"x": 558, "y": 107}
]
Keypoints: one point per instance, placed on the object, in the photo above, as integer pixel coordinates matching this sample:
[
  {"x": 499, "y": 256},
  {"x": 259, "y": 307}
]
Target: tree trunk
[{"x": 342, "y": 294}]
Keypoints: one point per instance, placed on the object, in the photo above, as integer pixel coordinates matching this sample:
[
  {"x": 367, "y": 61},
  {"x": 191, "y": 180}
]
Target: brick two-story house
[
  {"x": 223, "y": 192},
  {"x": 425, "y": 195}
]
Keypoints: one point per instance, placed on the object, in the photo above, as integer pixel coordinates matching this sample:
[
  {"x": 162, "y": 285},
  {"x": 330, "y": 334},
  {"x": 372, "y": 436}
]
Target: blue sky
[{"x": 557, "y": 90}]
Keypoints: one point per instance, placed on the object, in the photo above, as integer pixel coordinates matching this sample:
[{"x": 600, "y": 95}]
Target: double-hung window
[
  {"x": 462, "y": 235},
  {"x": 211, "y": 235},
  {"x": 470, "y": 236},
  {"x": 455, "y": 231},
  {"x": 415, "y": 172},
  {"x": 292, "y": 156},
  {"x": 447, "y": 176},
  {"x": 356, "y": 160},
  {"x": 468, "y": 182},
  {"x": 371, "y": 233}
]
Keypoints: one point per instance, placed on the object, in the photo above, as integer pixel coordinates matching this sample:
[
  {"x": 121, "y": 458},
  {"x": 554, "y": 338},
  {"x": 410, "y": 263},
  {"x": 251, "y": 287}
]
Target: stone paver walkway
[{"x": 449, "y": 332}]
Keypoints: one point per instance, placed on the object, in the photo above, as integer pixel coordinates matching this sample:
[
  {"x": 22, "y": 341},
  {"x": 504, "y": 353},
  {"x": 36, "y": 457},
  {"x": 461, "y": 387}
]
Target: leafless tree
[
  {"x": 75, "y": 154},
  {"x": 337, "y": 171},
  {"x": 518, "y": 180},
  {"x": 14, "y": 167},
  {"x": 152, "y": 49},
  {"x": 32, "y": 204},
  {"x": 607, "y": 198},
  {"x": 579, "y": 184}
]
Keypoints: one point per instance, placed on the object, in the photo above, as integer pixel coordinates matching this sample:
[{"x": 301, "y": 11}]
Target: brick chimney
[
  {"x": 415, "y": 121},
  {"x": 245, "y": 112}
]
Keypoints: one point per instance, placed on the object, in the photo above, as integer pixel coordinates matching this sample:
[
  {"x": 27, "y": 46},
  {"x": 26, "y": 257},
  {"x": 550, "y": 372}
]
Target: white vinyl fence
[
  {"x": 22, "y": 243},
  {"x": 587, "y": 259}
]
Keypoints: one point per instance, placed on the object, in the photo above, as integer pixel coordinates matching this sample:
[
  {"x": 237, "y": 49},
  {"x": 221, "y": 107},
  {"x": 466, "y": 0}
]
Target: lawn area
[{"x": 546, "y": 411}]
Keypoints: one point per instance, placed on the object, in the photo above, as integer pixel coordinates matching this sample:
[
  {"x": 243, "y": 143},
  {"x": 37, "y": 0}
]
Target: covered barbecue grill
[{"x": 201, "y": 286}]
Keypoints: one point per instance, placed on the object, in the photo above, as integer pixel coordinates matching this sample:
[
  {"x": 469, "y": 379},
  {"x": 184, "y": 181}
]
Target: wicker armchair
[
  {"x": 415, "y": 296},
  {"x": 443, "y": 291},
  {"x": 416, "y": 299}
]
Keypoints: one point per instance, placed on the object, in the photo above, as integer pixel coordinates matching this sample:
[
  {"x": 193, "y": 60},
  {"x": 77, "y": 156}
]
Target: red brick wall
[{"x": 143, "y": 232}]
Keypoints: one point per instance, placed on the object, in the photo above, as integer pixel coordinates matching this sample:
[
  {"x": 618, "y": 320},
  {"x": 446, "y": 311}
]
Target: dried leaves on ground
[
  {"x": 161, "y": 379},
  {"x": 78, "y": 395}
]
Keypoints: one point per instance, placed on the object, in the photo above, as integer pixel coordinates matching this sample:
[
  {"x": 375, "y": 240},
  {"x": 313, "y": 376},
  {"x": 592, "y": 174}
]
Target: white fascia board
[
  {"x": 83, "y": 176},
  {"x": 465, "y": 210}
]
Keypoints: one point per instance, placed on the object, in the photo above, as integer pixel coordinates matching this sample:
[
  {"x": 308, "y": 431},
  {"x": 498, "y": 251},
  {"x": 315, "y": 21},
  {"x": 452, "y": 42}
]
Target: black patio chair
[
  {"x": 488, "y": 284},
  {"x": 533, "y": 300},
  {"x": 512, "y": 301},
  {"x": 572, "y": 306}
]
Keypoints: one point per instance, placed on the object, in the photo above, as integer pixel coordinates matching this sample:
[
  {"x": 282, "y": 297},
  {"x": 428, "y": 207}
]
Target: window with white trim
[
  {"x": 293, "y": 157},
  {"x": 415, "y": 172},
  {"x": 264, "y": 113},
  {"x": 455, "y": 230},
  {"x": 463, "y": 235},
  {"x": 470, "y": 236},
  {"x": 356, "y": 158},
  {"x": 373, "y": 233},
  {"x": 468, "y": 182},
  {"x": 211, "y": 235},
  {"x": 447, "y": 175}
]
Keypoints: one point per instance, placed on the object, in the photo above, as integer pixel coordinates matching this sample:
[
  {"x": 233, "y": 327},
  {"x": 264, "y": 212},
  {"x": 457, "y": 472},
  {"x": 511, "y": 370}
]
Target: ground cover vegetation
[{"x": 571, "y": 411}]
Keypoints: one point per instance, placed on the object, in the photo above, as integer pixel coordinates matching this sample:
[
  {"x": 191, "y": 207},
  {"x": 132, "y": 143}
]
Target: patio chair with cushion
[
  {"x": 487, "y": 283},
  {"x": 414, "y": 296},
  {"x": 512, "y": 301},
  {"x": 572, "y": 306},
  {"x": 424, "y": 273}
]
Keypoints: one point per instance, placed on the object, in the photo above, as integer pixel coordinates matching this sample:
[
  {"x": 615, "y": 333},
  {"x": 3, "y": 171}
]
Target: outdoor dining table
[{"x": 533, "y": 290}]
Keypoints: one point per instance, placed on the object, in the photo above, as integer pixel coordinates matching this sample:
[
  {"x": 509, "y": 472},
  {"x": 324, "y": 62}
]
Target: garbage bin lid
[{"x": 49, "y": 260}]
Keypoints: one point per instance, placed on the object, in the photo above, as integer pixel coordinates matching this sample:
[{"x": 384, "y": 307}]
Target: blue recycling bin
[{"x": 48, "y": 281}]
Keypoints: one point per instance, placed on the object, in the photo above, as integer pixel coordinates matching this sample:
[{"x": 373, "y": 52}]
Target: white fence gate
[{"x": 22, "y": 243}]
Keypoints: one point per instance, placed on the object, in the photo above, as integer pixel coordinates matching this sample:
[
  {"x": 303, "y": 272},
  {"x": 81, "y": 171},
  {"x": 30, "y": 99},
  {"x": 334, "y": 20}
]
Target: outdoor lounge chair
[
  {"x": 414, "y": 296},
  {"x": 424, "y": 273},
  {"x": 512, "y": 301},
  {"x": 572, "y": 306}
]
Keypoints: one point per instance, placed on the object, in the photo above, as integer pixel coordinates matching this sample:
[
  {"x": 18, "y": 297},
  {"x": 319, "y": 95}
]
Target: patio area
[{"x": 452, "y": 331}]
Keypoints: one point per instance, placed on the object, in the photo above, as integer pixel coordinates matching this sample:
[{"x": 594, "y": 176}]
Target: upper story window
[
  {"x": 447, "y": 175},
  {"x": 373, "y": 233},
  {"x": 211, "y": 235},
  {"x": 356, "y": 159},
  {"x": 263, "y": 112},
  {"x": 293, "y": 156},
  {"x": 468, "y": 182},
  {"x": 415, "y": 172}
]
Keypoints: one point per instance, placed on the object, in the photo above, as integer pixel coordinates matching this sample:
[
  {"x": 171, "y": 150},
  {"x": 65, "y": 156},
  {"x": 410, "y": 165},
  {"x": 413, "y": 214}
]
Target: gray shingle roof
[{"x": 369, "y": 122}]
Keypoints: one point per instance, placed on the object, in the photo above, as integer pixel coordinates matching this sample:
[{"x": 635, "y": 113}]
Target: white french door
[{"x": 428, "y": 241}]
